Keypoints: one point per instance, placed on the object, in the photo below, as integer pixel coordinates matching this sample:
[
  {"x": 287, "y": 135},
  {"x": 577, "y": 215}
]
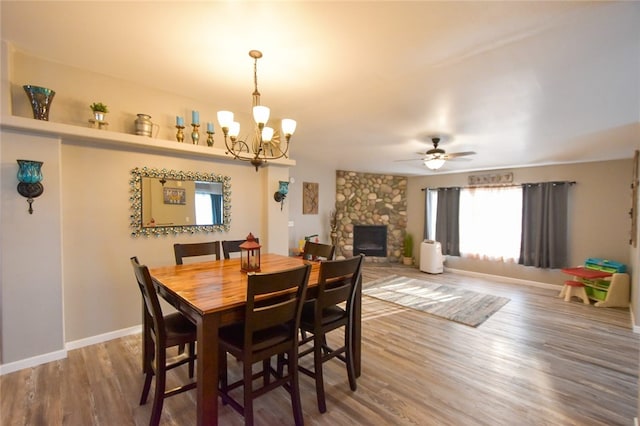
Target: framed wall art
[
  {"x": 174, "y": 195},
  {"x": 309, "y": 198}
]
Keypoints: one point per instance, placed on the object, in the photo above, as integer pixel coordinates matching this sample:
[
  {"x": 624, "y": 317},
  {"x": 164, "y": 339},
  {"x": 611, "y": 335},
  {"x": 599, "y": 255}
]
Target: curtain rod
[{"x": 506, "y": 185}]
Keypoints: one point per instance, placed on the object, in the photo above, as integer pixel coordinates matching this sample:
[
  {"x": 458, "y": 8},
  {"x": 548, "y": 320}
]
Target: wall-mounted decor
[
  {"x": 491, "y": 179},
  {"x": 29, "y": 178},
  {"x": 309, "y": 198},
  {"x": 633, "y": 240},
  {"x": 174, "y": 195},
  {"x": 198, "y": 202}
]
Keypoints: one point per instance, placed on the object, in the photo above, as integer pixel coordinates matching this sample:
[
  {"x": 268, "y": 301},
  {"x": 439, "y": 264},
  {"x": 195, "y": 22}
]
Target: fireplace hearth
[{"x": 371, "y": 240}]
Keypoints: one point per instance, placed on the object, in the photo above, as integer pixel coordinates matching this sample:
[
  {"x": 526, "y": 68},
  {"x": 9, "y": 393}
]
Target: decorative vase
[
  {"x": 144, "y": 125},
  {"x": 99, "y": 115},
  {"x": 40, "y": 99}
]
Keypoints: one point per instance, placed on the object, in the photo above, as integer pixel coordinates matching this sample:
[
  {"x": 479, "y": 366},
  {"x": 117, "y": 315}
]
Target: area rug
[{"x": 455, "y": 304}]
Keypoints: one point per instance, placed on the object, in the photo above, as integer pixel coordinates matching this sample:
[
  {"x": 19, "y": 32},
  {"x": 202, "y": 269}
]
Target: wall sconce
[
  {"x": 282, "y": 192},
  {"x": 29, "y": 177}
]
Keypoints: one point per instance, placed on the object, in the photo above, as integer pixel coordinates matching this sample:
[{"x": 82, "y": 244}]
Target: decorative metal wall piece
[
  {"x": 310, "y": 198},
  {"x": 491, "y": 179}
]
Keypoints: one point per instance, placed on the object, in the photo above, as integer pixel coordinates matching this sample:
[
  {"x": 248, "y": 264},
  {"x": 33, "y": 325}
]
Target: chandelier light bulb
[
  {"x": 234, "y": 129},
  {"x": 225, "y": 118},
  {"x": 267, "y": 134},
  {"x": 261, "y": 114},
  {"x": 288, "y": 126}
]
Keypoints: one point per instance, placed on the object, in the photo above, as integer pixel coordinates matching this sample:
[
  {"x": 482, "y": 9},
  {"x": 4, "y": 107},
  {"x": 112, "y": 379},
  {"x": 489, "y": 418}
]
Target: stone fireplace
[{"x": 370, "y": 200}]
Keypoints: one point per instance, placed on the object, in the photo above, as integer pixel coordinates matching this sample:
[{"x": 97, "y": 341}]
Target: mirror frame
[{"x": 136, "y": 201}]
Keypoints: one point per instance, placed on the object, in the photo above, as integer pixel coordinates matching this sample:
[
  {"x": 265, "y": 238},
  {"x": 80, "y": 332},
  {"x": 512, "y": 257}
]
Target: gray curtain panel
[
  {"x": 448, "y": 220},
  {"x": 544, "y": 225}
]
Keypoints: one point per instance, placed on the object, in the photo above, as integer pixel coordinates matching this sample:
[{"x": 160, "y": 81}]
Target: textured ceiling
[{"x": 520, "y": 83}]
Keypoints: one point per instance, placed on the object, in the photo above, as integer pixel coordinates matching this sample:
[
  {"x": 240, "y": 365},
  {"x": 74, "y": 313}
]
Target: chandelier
[{"x": 266, "y": 143}]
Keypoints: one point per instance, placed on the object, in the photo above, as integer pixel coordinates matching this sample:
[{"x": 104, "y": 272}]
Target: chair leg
[
  {"x": 192, "y": 353},
  {"x": 348, "y": 344},
  {"x": 266, "y": 371},
  {"x": 146, "y": 387},
  {"x": 317, "y": 369},
  {"x": 248, "y": 393},
  {"x": 295, "y": 387},
  {"x": 158, "y": 397},
  {"x": 222, "y": 373}
]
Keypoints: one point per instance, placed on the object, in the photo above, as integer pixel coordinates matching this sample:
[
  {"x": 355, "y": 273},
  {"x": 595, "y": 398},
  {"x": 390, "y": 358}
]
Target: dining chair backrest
[
  {"x": 337, "y": 282},
  {"x": 232, "y": 246},
  {"x": 181, "y": 251},
  {"x": 273, "y": 299},
  {"x": 151, "y": 304},
  {"x": 318, "y": 251}
]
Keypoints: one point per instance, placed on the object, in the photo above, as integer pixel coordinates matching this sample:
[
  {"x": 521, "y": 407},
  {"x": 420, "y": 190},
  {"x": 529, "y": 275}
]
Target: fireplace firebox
[{"x": 371, "y": 240}]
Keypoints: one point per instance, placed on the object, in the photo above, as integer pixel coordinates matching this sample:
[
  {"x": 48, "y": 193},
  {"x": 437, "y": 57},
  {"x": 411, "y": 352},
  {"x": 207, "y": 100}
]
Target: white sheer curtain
[{"x": 491, "y": 223}]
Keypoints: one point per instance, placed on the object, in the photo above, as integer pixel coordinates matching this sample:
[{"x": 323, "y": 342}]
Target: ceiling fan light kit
[
  {"x": 434, "y": 163},
  {"x": 435, "y": 158}
]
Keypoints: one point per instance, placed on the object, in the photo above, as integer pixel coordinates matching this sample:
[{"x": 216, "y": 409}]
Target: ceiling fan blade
[
  {"x": 460, "y": 154},
  {"x": 410, "y": 159}
]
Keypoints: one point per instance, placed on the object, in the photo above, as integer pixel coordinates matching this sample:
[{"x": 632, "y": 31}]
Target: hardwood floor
[{"x": 537, "y": 361}]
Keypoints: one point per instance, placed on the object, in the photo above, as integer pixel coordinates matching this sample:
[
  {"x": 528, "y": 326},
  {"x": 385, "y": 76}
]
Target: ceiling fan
[{"x": 435, "y": 157}]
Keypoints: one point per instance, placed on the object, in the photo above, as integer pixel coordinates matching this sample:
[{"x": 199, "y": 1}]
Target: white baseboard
[
  {"x": 105, "y": 337},
  {"x": 32, "y": 362},
  {"x": 61, "y": 354},
  {"x": 506, "y": 279}
]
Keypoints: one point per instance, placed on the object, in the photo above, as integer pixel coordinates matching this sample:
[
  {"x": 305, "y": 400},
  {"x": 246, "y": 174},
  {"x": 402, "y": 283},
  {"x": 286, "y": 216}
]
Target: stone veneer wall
[{"x": 370, "y": 199}]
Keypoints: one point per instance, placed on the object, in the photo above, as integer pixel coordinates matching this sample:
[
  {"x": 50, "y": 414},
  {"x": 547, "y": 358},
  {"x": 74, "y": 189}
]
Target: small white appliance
[{"x": 431, "y": 258}]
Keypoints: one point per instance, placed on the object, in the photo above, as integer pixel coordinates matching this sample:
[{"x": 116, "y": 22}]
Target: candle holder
[
  {"x": 180, "y": 134},
  {"x": 29, "y": 177},
  {"x": 195, "y": 136},
  {"x": 209, "y": 138}
]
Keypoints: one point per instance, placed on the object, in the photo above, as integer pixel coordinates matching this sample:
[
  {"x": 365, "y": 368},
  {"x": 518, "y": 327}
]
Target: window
[
  {"x": 491, "y": 223},
  {"x": 204, "y": 208}
]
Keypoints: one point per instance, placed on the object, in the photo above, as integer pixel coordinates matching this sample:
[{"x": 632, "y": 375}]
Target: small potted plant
[
  {"x": 99, "y": 110},
  {"x": 407, "y": 249}
]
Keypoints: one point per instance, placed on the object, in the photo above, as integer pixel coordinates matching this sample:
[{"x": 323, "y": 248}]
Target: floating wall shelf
[{"x": 69, "y": 133}]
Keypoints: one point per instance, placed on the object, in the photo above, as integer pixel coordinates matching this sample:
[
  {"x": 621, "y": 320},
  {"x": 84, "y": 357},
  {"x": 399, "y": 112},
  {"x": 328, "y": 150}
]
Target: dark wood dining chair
[
  {"x": 181, "y": 251},
  {"x": 270, "y": 328},
  {"x": 232, "y": 246},
  {"x": 337, "y": 283},
  {"x": 160, "y": 333},
  {"x": 315, "y": 251}
]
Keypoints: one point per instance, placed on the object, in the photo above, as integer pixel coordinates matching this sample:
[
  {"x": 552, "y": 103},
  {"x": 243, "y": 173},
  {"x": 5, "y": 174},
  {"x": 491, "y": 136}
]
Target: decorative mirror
[{"x": 167, "y": 202}]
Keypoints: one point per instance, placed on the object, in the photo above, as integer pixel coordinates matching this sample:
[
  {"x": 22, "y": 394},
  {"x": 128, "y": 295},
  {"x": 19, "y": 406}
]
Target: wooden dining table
[{"x": 213, "y": 294}]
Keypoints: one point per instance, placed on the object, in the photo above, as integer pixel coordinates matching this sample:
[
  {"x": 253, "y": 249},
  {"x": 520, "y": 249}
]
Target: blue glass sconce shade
[
  {"x": 40, "y": 99},
  {"x": 29, "y": 177},
  {"x": 282, "y": 192}
]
